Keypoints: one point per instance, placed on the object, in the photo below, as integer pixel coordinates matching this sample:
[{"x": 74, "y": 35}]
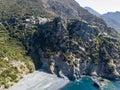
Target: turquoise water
[
  {"x": 87, "y": 84},
  {"x": 82, "y": 84}
]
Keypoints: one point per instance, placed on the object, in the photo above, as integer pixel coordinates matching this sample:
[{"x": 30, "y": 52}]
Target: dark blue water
[{"x": 87, "y": 84}]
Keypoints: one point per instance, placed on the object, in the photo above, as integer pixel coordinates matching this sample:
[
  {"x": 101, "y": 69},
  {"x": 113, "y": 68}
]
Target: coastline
[
  {"x": 98, "y": 81},
  {"x": 40, "y": 80}
]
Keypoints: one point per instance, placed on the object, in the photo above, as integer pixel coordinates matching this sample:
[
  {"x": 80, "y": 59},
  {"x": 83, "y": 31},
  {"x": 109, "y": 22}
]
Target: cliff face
[{"x": 76, "y": 48}]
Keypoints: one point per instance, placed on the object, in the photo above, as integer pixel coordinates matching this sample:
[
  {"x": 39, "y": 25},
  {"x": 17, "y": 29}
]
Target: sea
[{"x": 87, "y": 84}]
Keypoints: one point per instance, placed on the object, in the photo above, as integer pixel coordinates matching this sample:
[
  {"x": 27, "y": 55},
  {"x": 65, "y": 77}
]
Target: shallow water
[
  {"x": 87, "y": 84},
  {"x": 82, "y": 84}
]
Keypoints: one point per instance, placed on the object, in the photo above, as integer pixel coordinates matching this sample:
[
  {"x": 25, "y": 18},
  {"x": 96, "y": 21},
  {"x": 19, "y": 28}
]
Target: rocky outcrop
[{"x": 77, "y": 49}]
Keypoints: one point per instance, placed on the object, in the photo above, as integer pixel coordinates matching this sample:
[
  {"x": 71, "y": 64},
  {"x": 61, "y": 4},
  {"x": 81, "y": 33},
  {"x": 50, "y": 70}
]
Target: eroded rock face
[{"x": 77, "y": 48}]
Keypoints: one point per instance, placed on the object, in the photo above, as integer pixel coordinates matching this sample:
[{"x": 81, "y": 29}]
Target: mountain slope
[
  {"x": 92, "y": 11},
  {"x": 62, "y": 37},
  {"x": 111, "y": 18},
  {"x": 52, "y": 8},
  {"x": 14, "y": 64},
  {"x": 113, "y": 15},
  {"x": 78, "y": 47}
]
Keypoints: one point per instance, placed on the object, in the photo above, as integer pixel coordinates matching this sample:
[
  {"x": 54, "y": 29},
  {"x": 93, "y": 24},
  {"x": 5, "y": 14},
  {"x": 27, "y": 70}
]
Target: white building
[{"x": 42, "y": 20}]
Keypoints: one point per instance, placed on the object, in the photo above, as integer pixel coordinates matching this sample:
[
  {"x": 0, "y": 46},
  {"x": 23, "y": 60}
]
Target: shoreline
[
  {"x": 98, "y": 81},
  {"x": 40, "y": 80}
]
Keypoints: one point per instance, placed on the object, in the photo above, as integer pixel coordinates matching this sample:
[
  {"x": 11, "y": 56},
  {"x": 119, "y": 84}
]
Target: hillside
[
  {"x": 14, "y": 63},
  {"x": 70, "y": 9},
  {"x": 92, "y": 11},
  {"x": 111, "y": 18},
  {"x": 66, "y": 9},
  {"x": 114, "y": 15},
  {"x": 58, "y": 36},
  {"x": 78, "y": 47}
]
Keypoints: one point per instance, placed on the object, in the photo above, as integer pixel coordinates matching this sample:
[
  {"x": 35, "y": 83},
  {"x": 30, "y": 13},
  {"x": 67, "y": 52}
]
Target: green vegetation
[
  {"x": 19, "y": 8},
  {"x": 13, "y": 60},
  {"x": 102, "y": 49}
]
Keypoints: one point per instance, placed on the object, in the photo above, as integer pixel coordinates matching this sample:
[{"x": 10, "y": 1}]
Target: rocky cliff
[{"x": 76, "y": 48}]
